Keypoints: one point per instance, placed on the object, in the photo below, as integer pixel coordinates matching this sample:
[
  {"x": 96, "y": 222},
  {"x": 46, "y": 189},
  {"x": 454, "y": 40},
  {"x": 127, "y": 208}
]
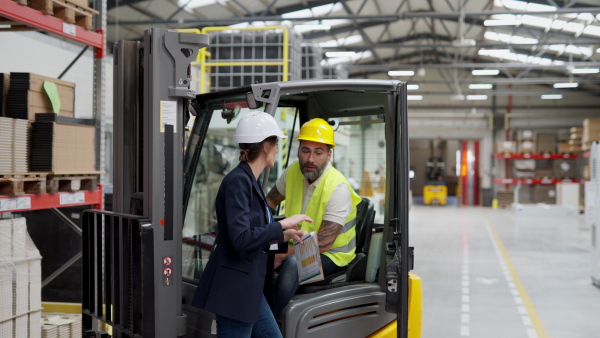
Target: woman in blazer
[{"x": 233, "y": 284}]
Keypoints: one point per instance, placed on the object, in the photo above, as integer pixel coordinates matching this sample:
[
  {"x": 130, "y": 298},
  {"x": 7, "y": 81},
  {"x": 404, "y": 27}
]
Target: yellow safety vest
[{"x": 343, "y": 250}]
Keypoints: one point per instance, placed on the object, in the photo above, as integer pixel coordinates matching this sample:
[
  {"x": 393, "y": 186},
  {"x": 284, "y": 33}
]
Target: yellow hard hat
[{"x": 317, "y": 130}]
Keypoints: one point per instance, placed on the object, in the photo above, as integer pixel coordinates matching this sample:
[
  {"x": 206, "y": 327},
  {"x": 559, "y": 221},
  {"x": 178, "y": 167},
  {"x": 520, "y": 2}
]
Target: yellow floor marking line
[{"x": 536, "y": 322}]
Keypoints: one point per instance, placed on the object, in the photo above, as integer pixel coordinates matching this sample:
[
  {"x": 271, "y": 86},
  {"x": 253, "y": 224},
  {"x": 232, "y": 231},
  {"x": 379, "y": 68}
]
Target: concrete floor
[{"x": 490, "y": 273}]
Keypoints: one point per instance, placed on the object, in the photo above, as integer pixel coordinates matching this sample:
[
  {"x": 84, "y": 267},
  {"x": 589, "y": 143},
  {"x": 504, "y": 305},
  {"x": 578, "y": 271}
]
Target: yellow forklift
[
  {"x": 143, "y": 260},
  {"x": 435, "y": 190}
]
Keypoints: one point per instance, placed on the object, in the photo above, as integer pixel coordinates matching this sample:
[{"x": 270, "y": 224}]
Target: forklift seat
[{"x": 356, "y": 270}]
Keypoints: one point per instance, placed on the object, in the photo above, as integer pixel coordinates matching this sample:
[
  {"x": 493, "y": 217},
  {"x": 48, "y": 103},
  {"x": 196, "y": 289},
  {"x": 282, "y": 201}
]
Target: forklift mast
[{"x": 150, "y": 107}]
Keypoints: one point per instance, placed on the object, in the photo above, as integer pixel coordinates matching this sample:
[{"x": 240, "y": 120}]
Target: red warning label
[
  {"x": 167, "y": 260},
  {"x": 167, "y": 272}
]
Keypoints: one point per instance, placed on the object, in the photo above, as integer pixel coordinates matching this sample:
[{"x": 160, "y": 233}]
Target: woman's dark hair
[{"x": 250, "y": 151}]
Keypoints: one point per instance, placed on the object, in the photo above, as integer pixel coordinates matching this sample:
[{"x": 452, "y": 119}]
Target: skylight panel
[
  {"x": 335, "y": 61},
  {"x": 315, "y": 11},
  {"x": 196, "y": 3},
  {"x": 514, "y": 39},
  {"x": 342, "y": 42},
  {"x": 523, "y": 6}
]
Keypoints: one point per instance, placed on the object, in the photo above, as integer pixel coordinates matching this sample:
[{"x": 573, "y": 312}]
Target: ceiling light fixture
[
  {"x": 340, "y": 54},
  {"x": 401, "y": 73},
  {"x": 585, "y": 70},
  {"x": 412, "y": 87},
  {"x": 494, "y": 52},
  {"x": 477, "y": 97},
  {"x": 414, "y": 97},
  {"x": 552, "y": 97},
  {"x": 480, "y": 86},
  {"x": 502, "y": 22},
  {"x": 566, "y": 85},
  {"x": 485, "y": 72}
]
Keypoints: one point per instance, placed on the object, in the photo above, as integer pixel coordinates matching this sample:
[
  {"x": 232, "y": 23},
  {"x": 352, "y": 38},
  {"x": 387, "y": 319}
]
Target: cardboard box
[
  {"x": 523, "y": 135},
  {"x": 526, "y": 146},
  {"x": 567, "y": 193},
  {"x": 27, "y": 90},
  {"x": 546, "y": 143},
  {"x": 63, "y": 148},
  {"x": 544, "y": 194},
  {"x": 591, "y": 130},
  {"x": 563, "y": 147},
  {"x": 547, "y": 172},
  {"x": 564, "y": 168},
  {"x": 576, "y": 130},
  {"x": 506, "y": 147},
  {"x": 505, "y": 198}
]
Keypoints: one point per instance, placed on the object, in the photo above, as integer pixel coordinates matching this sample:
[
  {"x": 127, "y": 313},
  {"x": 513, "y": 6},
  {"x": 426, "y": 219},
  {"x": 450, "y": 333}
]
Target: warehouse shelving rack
[{"x": 26, "y": 18}]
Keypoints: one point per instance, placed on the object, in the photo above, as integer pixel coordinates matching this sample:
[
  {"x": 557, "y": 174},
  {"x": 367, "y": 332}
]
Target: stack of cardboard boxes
[
  {"x": 591, "y": 133},
  {"x": 526, "y": 141},
  {"x": 575, "y": 139},
  {"x": 546, "y": 143},
  {"x": 62, "y": 144},
  {"x": 20, "y": 281}
]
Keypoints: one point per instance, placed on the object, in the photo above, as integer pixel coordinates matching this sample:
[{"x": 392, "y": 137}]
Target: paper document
[{"x": 308, "y": 259}]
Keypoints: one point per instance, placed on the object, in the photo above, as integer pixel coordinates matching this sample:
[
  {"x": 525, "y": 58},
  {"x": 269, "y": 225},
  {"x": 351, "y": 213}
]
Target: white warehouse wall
[{"x": 33, "y": 52}]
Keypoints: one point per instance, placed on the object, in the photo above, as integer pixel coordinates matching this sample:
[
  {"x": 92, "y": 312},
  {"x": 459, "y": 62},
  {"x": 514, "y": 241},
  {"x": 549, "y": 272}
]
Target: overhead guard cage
[{"x": 117, "y": 257}]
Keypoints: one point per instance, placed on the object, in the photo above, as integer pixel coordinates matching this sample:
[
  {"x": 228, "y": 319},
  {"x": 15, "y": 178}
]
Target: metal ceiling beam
[
  {"x": 478, "y": 45},
  {"x": 339, "y": 30},
  {"x": 507, "y": 92},
  {"x": 470, "y": 65},
  {"x": 527, "y": 80},
  {"x": 209, "y": 22},
  {"x": 439, "y": 15}
]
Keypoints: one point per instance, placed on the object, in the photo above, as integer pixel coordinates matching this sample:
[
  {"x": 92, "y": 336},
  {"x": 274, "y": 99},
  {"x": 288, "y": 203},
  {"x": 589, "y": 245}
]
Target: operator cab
[{"x": 369, "y": 122}]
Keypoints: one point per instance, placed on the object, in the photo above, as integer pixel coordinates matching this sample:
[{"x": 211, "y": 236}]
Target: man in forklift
[{"x": 312, "y": 186}]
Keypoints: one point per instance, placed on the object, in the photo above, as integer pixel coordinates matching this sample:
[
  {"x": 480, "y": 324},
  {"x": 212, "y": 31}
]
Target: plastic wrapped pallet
[
  {"x": 20, "y": 326},
  {"x": 67, "y": 325},
  {"x": 35, "y": 324},
  {"x": 20, "y": 281}
]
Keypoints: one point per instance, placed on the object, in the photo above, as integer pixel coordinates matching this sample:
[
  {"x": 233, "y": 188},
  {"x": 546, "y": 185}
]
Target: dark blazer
[{"x": 232, "y": 282}]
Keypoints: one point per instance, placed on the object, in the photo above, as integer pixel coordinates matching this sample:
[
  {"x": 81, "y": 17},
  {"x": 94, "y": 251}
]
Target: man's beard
[{"x": 312, "y": 175}]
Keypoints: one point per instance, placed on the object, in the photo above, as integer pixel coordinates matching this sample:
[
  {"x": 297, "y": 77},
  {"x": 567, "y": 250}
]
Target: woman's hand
[
  {"x": 294, "y": 234},
  {"x": 292, "y": 221}
]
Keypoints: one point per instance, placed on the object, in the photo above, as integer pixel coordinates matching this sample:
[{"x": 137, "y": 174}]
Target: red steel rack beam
[
  {"x": 532, "y": 181},
  {"x": 536, "y": 156},
  {"x": 28, "y": 202},
  {"x": 31, "y": 17}
]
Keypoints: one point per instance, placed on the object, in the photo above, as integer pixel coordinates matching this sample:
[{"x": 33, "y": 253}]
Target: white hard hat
[{"x": 256, "y": 126}]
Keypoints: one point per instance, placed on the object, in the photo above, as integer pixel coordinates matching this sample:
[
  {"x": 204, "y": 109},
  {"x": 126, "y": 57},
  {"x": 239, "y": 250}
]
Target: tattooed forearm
[
  {"x": 328, "y": 232},
  {"x": 274, "y": 197}
]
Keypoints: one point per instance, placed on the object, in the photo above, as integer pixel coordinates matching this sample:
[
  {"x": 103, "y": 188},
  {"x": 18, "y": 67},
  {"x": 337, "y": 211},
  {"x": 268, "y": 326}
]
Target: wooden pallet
[
  {"x": 21, "y": 184},
  {"x": 70, "y": 11},
  {"x": 70, "y": 182}
]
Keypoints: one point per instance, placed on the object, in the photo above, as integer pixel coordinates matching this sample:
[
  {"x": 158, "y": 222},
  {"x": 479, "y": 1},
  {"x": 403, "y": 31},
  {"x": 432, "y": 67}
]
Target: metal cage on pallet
[
  {"x": 244, "y": 56},
  {"x": 311, "y": 61},
  {"x": 335, "y": 72}
]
